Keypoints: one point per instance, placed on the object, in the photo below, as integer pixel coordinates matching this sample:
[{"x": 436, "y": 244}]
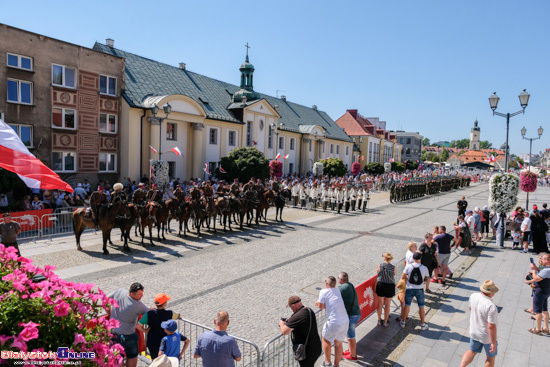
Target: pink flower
[
  {"x": 19, "y": 343},
  {"x": 30, "y": 331},
  {"x": 61, "y": 308},
  {"x": 4, "y": 339},
  {"x": 79, "y": 338}
]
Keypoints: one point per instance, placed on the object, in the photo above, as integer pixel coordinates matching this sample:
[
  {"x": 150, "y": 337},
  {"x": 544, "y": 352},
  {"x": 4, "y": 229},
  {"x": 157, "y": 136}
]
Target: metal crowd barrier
[
  {"x": 31, "y": 225},
  {"x": 58, "y": 223},
  {"x": 278, "y": 352},
  {"x": 249, "y": 351}
]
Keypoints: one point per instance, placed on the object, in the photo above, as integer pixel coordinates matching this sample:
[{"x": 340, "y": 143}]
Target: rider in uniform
[
  {"x": 118, "y": 194},
  {"x": 138, "y": 197},
  {"x": 97, "y": 199},
  {"x": 154, "y": 194}
]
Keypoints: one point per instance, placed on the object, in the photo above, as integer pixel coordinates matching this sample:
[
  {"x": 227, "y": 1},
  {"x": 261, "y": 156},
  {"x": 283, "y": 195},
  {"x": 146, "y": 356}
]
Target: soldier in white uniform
[
  {"x": 339, "y": 198},
  {"x": 353, "y": 197},
  {"x": 303, "y": 195},
  {"x": 313, "y": 195},
  {"x": 347, "y": 198},
  {"x": 325, "y": 197},
  {"x": 295, "y": 193}
]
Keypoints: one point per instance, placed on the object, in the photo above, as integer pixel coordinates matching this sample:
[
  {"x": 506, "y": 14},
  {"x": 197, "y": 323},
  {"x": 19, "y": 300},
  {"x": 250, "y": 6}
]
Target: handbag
[{"x": 300, "y": 349}]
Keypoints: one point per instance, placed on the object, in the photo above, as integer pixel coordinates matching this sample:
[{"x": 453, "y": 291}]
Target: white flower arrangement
[
  {"x": 159, "y": 169},
  {"x": 318, "y": 168},
  {"x": 503, "y": 192}
]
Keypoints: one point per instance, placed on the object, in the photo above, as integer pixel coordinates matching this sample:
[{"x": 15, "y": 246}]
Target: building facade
[
  {"x": 63, "y": 101},
  {"x": 412, "y": 145},
  {"x": 209, "y": 118}
]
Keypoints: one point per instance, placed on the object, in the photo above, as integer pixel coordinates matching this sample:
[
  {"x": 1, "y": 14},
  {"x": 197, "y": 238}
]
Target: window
[
  {"x": 249, "y": 133},
  {"x": 107, "y": 85},
  {"x": 281, "y": 142},
  {"x": 171, "y": 131},
  {"x": 19, "y": 62},
  {"x": 292, "y": 143},
  {"x": 347, "y": 150},
  {"x": 64, "y": 161},
  {"x": 213, "y": 136},
  {"x": 232, "y": 138},
  {"x": 310, "y": 144},
  {"x": 19, "y": 91},
  {"x": 331, "y": 148},
  {"x": 107, "y": 162},
  {"x": 63, "y": 118},
  {"x": 408, "y": 140},
  {"x": 337, "y": 149},
  {"x": 290, "y": 168},
  {"x": 24, "y": 132},
  {"x": 269, "y": 138},
  {"x": 171, "y": 169},
  {"x": 63, "y": 76},
  {"x": 107, "y": 123}
]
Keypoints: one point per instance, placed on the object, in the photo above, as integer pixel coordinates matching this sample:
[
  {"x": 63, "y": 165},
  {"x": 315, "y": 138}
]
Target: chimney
[
  {"x": 353, "y": 113},
  {"x": 182, "y": 65},
  {"x": 283, "y": 98},
  {"x": 110, "y": 42},
  {"x": 314, "y": 107}
]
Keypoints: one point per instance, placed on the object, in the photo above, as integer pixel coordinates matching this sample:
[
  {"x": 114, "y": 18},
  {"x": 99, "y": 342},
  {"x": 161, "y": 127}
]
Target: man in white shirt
[
  {"x": 483, "y": 325},
  {"x": 416, "y": 275},
  {"x": 336, "y": 326}
]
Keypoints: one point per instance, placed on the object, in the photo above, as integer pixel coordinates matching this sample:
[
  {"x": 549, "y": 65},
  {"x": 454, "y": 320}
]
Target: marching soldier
[
  {"x": 347, "y": 198},
  {"x": 303, "y": 196},
  {"x": 295, "y": 192},
  {"x": 325, "y": 197},
  {"x": 353, "y": 197},
  {"x": 339, "y": 198}
]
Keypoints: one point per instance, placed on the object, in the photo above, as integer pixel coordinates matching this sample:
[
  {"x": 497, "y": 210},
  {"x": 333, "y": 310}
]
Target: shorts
[
  {"x": 444, "y": 259},
  {"x": 476, "y": 347},
  {"x": 540, "y": 301},
  {"x": 332, "y": 331},
  {"x": 385, "y": 289},
  {"x": 414, "y": 293},
  {"x": 353, "y": 320},
  {"x": 129, "y": 343},
  {"x": 526, "y": 236}
]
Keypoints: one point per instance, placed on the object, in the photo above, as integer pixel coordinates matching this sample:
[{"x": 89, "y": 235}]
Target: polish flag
[
  {"x": 519, "y": 165},
  {"x": 206, "y": 168},
  {"x": 362, "y": 157},
  {"x": 15, "y": 157},
  {"x": 254, "y": 141},
  {"x": 176, "y": 150},
  {"x": 153, "y": 149},
  {"x": 392, "y": 160},
  {"x": 286, "y": 156},
  {"x": 278, "y": 156},
  {"x": 493, "y": 158},
  {"x": 222, "y": 170}
]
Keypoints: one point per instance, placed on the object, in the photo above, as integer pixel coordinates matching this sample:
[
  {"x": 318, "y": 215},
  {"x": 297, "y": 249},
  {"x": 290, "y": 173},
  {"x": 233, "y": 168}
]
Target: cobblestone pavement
[{"x": 251, "y": 273}]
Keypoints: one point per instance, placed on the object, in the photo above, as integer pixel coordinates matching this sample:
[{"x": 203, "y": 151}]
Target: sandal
[
  {"x": 545, "y": 331},
  {"x": 535, "y": 331},
  {"x": 528, "y": 311},
  {"x": 429, "y": 291}
]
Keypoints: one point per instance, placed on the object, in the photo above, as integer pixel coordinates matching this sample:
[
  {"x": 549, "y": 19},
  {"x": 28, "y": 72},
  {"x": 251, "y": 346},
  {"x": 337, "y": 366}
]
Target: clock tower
[{"x": 475, "y": 137}]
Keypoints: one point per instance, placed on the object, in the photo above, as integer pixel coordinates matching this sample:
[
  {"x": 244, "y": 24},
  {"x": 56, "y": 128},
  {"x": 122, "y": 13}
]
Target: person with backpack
[{"x": 416, "y": 275}]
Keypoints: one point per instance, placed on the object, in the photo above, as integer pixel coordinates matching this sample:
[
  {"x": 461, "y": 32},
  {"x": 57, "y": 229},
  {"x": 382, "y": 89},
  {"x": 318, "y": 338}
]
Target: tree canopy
[
  {"x": 244, "y": 163},
  {"x": 334, "y": 167},
  {"x": 374, "y": 168}
]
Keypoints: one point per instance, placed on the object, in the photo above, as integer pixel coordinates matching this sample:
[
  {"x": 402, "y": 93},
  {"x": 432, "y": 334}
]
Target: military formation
[{"x": 418, "y": 187}]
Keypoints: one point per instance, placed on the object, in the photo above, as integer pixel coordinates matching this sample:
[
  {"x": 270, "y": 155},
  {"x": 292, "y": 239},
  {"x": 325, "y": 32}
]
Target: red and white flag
[
  {"x": 222, "y": 170},
  {"x": 519, "y": 165},
  {"x": 15, "y": 157},
  {"x": 206, "y": 170},
  {"x": 392, "y": 160},
  {"x": 362, "y": 157},
  {"x": 278, "y": 156},
  {"x": 153, "y": 149},
  {"x": 176, "y": 150},
  {"x": 254, "y": 141},
  {"x": 286, "y": 156}
]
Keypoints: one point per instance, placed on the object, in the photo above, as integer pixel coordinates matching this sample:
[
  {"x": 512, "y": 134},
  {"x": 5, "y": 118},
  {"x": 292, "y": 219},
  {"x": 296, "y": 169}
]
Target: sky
[{"x": 427, "y": 66}]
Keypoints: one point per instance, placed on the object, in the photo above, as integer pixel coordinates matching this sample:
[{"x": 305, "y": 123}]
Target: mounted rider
[
  {"x": 138, "y": 197},
  {"x": 118, "y": 194},
  {"x": 154, "y": 194},
  {"x": 97, "y": 199}
]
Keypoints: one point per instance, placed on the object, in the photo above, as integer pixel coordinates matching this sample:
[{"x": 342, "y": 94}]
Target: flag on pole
[
  {"x": 152, "y": 170},
  {"x": 391, "y": 160},
  {"x": 15, "y": 157},
  {"x": 519, "y": 165},
  {"x": 222, "y": 170},
  {"x": 286, "y": 156},
  {"x": 254, "y": 141},
  {"x": 493, "y": 158},
  {"x": 362, "y": 157},
  {"x": 153, "y": 149},
  {"x": 278, "y": 156},
  {"x": 206, "y": 170},
  {"x": 176, "y": 150}
]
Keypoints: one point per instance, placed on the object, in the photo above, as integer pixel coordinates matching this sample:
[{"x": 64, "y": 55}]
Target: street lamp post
[
  {"x": 523, "y": 132},
  {"x": 157, "y": 120},
  {"x": 493, "y": 102},
  {"x": 275, "y": 128}
]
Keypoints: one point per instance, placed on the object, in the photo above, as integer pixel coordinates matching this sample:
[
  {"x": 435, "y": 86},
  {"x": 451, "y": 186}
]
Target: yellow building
[{"x": 207, "y": 118}]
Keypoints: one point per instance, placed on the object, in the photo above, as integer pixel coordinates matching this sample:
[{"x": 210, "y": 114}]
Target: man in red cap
[{"x": 153, "y": 319}]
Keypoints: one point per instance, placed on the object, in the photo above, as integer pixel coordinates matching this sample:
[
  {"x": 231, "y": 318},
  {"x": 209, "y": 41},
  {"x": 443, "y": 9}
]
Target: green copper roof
[{"x": 146, "y": 78}]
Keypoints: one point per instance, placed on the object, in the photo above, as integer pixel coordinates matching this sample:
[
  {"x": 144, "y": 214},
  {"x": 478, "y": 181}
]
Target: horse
[
  {"x": 281, "y": 199},
  {"x": 106, "y": 221},
  {"x": 147, "y": 219},
  {"x": 198, "y": 214},
  {"x": 212, "y": 210},
  {"x": 263, "y": 204},
  {"x": 183, "y": 217},
  {"x": 161, "y": 217},
  {"x": 126, "y": 223}
]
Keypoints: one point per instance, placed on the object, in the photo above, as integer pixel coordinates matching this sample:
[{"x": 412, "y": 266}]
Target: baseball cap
[
  {"x": 417, "y": 256},
  {"x": 170, "y": 325},
  {"x": 162, "y": 298}
]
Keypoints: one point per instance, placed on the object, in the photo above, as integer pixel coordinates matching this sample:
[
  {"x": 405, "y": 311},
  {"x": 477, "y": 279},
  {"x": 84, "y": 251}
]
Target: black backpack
[{"x": 416, "y": 276}]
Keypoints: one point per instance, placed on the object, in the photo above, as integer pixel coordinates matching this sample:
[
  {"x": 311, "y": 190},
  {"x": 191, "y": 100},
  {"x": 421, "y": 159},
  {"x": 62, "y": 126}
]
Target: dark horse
[
  {"x": 106, "y": 221},
  {"x": 281, "y": 199}
]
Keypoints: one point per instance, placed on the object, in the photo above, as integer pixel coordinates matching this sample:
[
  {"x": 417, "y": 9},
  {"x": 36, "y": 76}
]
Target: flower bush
[
  {"x": 318, "y": 168},
  {"x": 41, "y": 316},
  {"x": 503, "y": 192},
  {"x": 159, "y": 170},
  {"x": 528, "y": 181},
  {"x": 276, "y": 168},
  {"x": 355, "y": 168}
]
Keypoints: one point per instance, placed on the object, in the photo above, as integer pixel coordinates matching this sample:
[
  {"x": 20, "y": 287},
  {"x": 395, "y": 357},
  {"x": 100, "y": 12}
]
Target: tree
[
  {"x": 374, "y": 168},
  {"x": 414, "y": 165},
  {"x": 425, "y": 142},
  {"x": 334, "y": 167},
  {"x": 424, "y": 156},
  {"x": 397, "y": 166},
  {"x": 444, "y": 155},
  {"x": 461, "y": 144},
  {"x": 485, "y": 144},
  {"x": 244, "y": 163}
]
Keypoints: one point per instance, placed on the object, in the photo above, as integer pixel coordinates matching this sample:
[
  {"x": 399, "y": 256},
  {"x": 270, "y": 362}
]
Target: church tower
[
  {"x": 246, "y": 93},
  {"x": 475, "y": 137}
]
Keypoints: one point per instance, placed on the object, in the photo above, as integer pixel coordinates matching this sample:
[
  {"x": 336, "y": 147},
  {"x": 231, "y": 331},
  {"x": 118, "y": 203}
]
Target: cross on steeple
[{"x": 247, "y": 47}]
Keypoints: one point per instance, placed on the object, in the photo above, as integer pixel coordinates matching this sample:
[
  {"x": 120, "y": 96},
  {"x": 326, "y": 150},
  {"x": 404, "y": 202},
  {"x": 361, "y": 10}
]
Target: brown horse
[
  {"x": 264, "y": 202},
  {"x": 147, "y": 219},
  {"x": 126, "y": 223},
  {"x": 280, "y": 201},
  {"x": 212, "y": 210},
  {"x": 198, "y": 213},
  {"x": 106, "y": 221},
  {"x": 183, "y": 217}
]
